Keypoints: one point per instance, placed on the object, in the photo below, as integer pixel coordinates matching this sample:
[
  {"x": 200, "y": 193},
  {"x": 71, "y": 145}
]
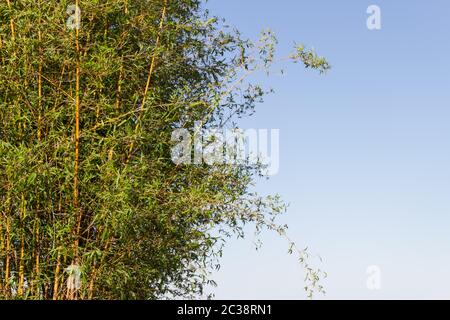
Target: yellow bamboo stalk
[
  {"x": 150, "y": 73},
  {"x": 8, "y": 248},
  {"x": 39, "y": 88},
  {"x": 119, "y": 85},
  {"x": 92, "y": 281},
  {"x": 35, "y": 285},
  {"x": 1, "y": 48},
  {"x": 2, "y": 249},
  {"x": 78, "y": 211},
  {"x": 22, "y": 249},
  {"x": 56, "y": 280},
  {"x": 97, "y": 268},
  {"x": 11, "y": 23},
  {"x": 77, "y": 137},
  {"x": 35, "y": 281}
]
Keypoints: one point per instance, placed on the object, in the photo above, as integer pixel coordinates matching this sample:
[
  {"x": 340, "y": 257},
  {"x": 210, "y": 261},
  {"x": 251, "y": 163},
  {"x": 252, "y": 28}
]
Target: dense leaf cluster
[{"x": 86, "y": 117}]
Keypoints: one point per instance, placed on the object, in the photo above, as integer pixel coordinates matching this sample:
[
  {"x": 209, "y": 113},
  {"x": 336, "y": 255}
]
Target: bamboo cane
[
  {"x": 77, "y": 137},
  {"x": 11, "y": 23},
  {"x": 56, "y": 279},
  {"x": 22, "y": 249},
  {"x": 150, "y": 73}
]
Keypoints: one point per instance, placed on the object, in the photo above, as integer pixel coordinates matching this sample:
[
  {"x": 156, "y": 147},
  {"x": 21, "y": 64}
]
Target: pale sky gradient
[{"x": 365, "y": 150}]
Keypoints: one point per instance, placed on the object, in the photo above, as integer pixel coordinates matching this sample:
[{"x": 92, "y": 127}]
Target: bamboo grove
[{"x": 87, "y": 184}]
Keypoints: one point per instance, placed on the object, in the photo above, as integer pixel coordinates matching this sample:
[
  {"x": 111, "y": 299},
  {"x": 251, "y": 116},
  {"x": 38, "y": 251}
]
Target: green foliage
[
  {"x": 86, "y": 116},
  {"x": 310, "y": 59}
]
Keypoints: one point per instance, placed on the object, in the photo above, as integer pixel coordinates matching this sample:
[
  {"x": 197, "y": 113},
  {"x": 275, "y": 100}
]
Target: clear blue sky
[{"x": 365, "y": 150}]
